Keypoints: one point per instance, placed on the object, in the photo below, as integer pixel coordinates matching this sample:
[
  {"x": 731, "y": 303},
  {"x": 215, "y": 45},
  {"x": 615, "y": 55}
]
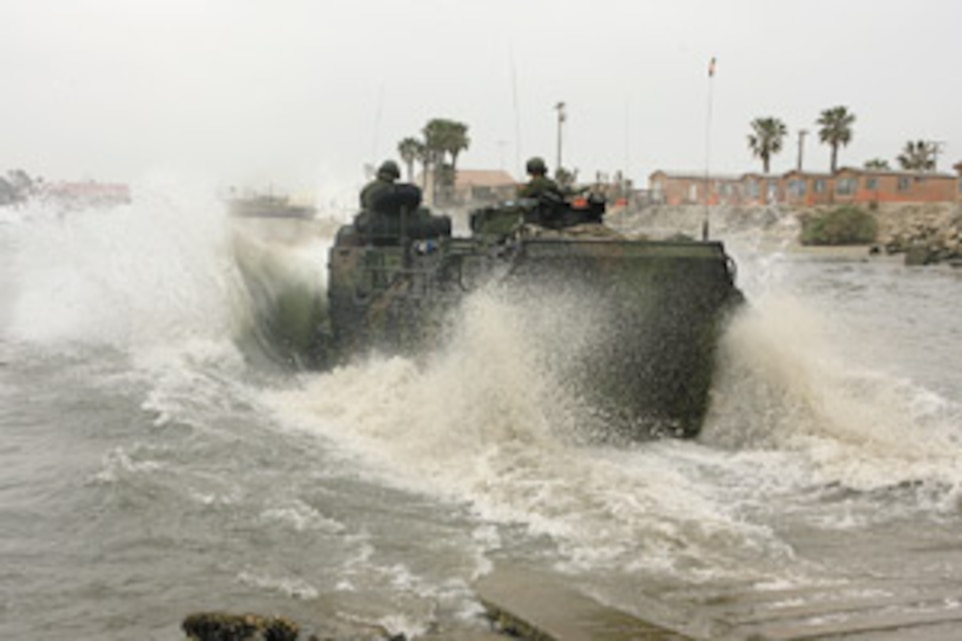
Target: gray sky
[{"x": 302, "y": 93}]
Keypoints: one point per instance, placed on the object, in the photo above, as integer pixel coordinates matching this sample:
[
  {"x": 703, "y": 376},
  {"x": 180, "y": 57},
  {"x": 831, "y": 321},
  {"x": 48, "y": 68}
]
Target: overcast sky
[{"x": 301, "y": 93}]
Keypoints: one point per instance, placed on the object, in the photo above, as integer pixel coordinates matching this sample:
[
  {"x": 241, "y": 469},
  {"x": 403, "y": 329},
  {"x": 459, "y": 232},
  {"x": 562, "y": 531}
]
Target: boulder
[
  {"x": 218, "y": 626},
  {"x": 919, "y": 254}
]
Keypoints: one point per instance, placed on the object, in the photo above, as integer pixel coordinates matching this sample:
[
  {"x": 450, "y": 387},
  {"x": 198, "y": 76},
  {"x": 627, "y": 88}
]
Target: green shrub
[{"x": 843, "y": 226}]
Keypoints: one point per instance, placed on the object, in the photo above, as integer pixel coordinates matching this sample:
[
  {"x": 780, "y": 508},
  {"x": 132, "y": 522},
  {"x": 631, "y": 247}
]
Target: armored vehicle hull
[{"x": 644, "y": 361}]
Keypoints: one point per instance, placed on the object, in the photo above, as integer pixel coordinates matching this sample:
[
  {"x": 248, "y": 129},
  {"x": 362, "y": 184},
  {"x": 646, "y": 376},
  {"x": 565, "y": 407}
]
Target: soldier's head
[
  {"x": 389, "y": 171},
  {"x": 536, "y": 167}
]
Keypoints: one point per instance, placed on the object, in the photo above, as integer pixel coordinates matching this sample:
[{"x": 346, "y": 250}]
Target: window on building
[
  {"x": 871, "y": 183},
  {"x": 845, "y": 186},
  {"x": 819, "y": 186},
  {"x": 771, "y": 191},
  {"x": 657, "y": 191},
  {"x": 753, "y": 189},
  {"x": 904, "y": 183},
  {"x": 960, "y": 186},
  {"x": 482, "y": 192}
]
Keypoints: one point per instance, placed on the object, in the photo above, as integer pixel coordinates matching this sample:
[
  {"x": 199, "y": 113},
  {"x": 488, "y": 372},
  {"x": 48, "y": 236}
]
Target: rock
[
  {"x": 218, "y": 626},
  {"x": 919, "y": 254}
]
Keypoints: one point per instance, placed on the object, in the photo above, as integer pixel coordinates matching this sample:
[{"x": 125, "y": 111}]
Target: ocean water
[{"x": 156, "y": 460}]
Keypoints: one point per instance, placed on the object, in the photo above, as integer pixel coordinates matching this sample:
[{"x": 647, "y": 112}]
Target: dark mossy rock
[
  {"x": 920, "y": 255},
  {"x": 219, "y": 626}
]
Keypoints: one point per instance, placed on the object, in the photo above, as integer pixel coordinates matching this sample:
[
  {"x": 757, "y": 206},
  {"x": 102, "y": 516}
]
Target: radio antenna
[{"x": 517, "y": 111}]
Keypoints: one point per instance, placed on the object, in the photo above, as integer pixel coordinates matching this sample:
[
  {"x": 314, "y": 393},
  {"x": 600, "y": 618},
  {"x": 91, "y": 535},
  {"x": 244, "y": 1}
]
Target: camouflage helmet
[
  {"x": 536, "y": 166},
  {"x": 389, "y": 170}
]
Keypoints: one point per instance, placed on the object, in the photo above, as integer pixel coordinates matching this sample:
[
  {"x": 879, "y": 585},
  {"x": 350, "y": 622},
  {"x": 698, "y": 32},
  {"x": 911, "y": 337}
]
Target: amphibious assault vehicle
[{"x": 653, "y": 310}]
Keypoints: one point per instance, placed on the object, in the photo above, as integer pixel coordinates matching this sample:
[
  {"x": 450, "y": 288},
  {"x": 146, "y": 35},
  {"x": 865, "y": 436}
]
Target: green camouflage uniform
[
  {"x": 373, "y": 188},
  {"x": 537, "y": 186}
]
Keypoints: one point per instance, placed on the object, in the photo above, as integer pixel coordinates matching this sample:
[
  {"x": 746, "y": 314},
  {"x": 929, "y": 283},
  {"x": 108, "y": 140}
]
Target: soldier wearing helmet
[
  {"x": 539, "y": 184},
  {"x": 387, "y": 173}
]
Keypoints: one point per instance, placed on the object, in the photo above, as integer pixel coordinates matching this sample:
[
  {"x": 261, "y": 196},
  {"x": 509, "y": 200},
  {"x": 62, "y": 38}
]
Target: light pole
[{"x": 560, "y": 107}]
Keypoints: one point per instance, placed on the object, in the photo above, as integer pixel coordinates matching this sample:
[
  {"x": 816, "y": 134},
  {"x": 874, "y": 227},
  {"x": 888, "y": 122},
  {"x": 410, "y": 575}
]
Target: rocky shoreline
[
  {"x": 225, "y": 626},
  {"x": 922, "y": 233}
]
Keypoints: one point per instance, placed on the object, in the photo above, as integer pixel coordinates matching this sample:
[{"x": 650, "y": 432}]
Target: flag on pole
[{"x": 711, "y": 67}]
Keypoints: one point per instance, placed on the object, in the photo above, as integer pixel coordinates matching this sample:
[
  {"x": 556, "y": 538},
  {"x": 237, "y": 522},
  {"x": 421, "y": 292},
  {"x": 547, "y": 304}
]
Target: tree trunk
[{"x": 834, "y": 157}]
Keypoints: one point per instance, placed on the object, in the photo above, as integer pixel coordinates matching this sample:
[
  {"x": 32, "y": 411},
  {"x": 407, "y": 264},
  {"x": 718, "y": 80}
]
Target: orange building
[
  {"x": 763, "y": 189},
  {"x": 804, "y": 188},
  {"x": 88, "y": 193},
  {"x": 880, "y": 186},
  {"x": 473, "y": 186},
  {"x": 801, "y": 188},
  {"x": 689, "y": 188}
]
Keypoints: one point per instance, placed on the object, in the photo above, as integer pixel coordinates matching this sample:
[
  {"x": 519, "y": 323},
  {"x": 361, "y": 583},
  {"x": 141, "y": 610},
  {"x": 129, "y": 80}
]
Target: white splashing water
[
  {"x": 485, "y": 421},
  {"x": 784, "y": 386},
  {"x": 150, "y": 273},
  {"x": 154, "y": 281}
]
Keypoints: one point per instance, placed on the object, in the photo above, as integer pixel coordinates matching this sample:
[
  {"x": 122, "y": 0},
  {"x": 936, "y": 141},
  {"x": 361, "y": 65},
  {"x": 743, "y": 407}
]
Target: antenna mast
[{"x": 711, "y": 77}]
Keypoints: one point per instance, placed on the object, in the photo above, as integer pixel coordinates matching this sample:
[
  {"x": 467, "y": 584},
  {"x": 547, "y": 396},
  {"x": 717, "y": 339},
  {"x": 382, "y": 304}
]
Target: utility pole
[
  {"x": 801, "y": 146},
  {"x": 560, "y": 107}
]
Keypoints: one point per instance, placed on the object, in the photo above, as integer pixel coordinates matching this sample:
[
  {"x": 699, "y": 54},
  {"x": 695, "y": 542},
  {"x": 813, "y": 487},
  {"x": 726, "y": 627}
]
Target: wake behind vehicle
[{"x": 643, "y": 363}]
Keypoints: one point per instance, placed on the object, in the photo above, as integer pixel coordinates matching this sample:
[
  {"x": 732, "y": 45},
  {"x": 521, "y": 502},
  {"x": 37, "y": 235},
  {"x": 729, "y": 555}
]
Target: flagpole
[{"x": 711, "y": 76}]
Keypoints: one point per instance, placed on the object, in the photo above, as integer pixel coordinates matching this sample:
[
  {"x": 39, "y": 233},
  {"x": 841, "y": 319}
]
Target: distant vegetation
[
  {"x": 877, "y": 164},
  {"x": 17, "y": 187},
  {"x": 766, "y": 139},
  {"x": 437, "y": 150},
  {"x": 768, "y": 134},
  {"x": 836, "y": 130},
  {"x": 918, "y": 156},
  {"x": 846, "y": 225}
]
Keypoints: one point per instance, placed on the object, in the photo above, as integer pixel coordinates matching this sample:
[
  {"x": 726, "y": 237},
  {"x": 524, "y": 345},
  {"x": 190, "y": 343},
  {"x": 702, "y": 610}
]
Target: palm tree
[
  {"x": 456, "y": 141},
  {"x": 426, "y": 158},
  {"x": 446, "y": 137},
  {"x": 443, "y": 137},
  {"x": 766, "y": 139},
  {"x": 836, "y": 129},
  {"x": 877, "y": 163},
  {"x": 410, "y": 150},
  {"x": 917, "y": 156}
]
